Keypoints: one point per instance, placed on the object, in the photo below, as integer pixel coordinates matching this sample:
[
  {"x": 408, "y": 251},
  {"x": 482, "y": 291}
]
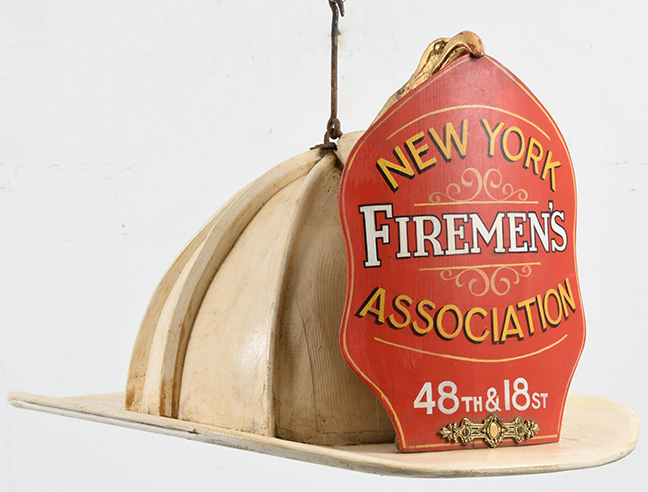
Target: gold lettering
[
  {"x": 543, "y": 321},
  {"x": 511, "y": 319},
  {"x": 402, "y": 310},
  {"x": 550, "y": 167},
  {"x": 552, "y": 321},
  {"x": 527, "y": 311},
  {"x": 451, "y": 138},
  {"x": 439, "y": 322},
  {"x": 505, "y": 146},
  {"x": 531, "y": 157},
  {"x": 567, "y": 298},
  {"x": 368, "y": 307},
  {"x": 425, "y": 316},
  {"x": 495, "y": 325},
  {"x": 491, "y": 134},
  {"x": 404, "y": 168},
  {"x": 416, "y": 153},
  {"x": 481, "y": 312}
]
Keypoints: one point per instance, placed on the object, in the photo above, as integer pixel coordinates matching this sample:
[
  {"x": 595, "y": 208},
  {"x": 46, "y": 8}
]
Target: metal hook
[
  {"x": 333, "y": 130},
  {"x": 339, "y": 4}
]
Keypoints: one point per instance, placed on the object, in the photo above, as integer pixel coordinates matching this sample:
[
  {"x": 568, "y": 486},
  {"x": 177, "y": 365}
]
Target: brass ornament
[
  {"x": 493, "y": 430},
  {"x": 438, "y": 54}
]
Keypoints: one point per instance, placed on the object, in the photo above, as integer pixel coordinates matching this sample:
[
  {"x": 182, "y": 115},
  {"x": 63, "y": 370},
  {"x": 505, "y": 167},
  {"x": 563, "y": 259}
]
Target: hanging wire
[{"x": 333, "y": 130}]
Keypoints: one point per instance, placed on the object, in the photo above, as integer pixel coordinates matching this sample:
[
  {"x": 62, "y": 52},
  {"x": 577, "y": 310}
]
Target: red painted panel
[{"x": 459, "y": 212}]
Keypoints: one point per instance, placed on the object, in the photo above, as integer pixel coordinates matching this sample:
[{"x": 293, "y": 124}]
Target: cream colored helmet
[{"x": 242, "y": 331}]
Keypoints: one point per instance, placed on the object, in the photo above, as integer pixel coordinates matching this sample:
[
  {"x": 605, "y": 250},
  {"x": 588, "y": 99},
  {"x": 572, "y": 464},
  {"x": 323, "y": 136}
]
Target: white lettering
[{"x": 372, "y": 234}]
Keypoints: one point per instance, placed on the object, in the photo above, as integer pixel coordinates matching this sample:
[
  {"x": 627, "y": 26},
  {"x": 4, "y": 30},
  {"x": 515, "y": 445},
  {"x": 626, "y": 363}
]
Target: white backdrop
[{"x": 124, "y": 125}]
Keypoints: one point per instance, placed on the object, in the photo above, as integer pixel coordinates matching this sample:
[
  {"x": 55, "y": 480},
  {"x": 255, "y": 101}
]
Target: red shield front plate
[{"x": 463, "y": 311}]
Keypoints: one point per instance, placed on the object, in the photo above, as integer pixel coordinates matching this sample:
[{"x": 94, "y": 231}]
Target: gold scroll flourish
[
  {"x": 493, "y": 430},
  {"x": 493, "y": 179},
  {"x": 499, "y": 282},
  {"x": 453, "y": 190},
  {"x": 492, "y": 184}
]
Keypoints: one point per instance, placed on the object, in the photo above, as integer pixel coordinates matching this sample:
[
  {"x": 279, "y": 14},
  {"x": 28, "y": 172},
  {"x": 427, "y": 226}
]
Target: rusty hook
[
  {"x": 335, "y": 4},
  {"x": 333, "y": 130}
]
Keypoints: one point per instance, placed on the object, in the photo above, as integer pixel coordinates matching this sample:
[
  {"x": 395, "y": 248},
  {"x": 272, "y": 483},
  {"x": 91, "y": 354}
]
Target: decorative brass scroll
[
  {"x": 440, "y": 53},
  {"x": 493, "y": 430}
]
